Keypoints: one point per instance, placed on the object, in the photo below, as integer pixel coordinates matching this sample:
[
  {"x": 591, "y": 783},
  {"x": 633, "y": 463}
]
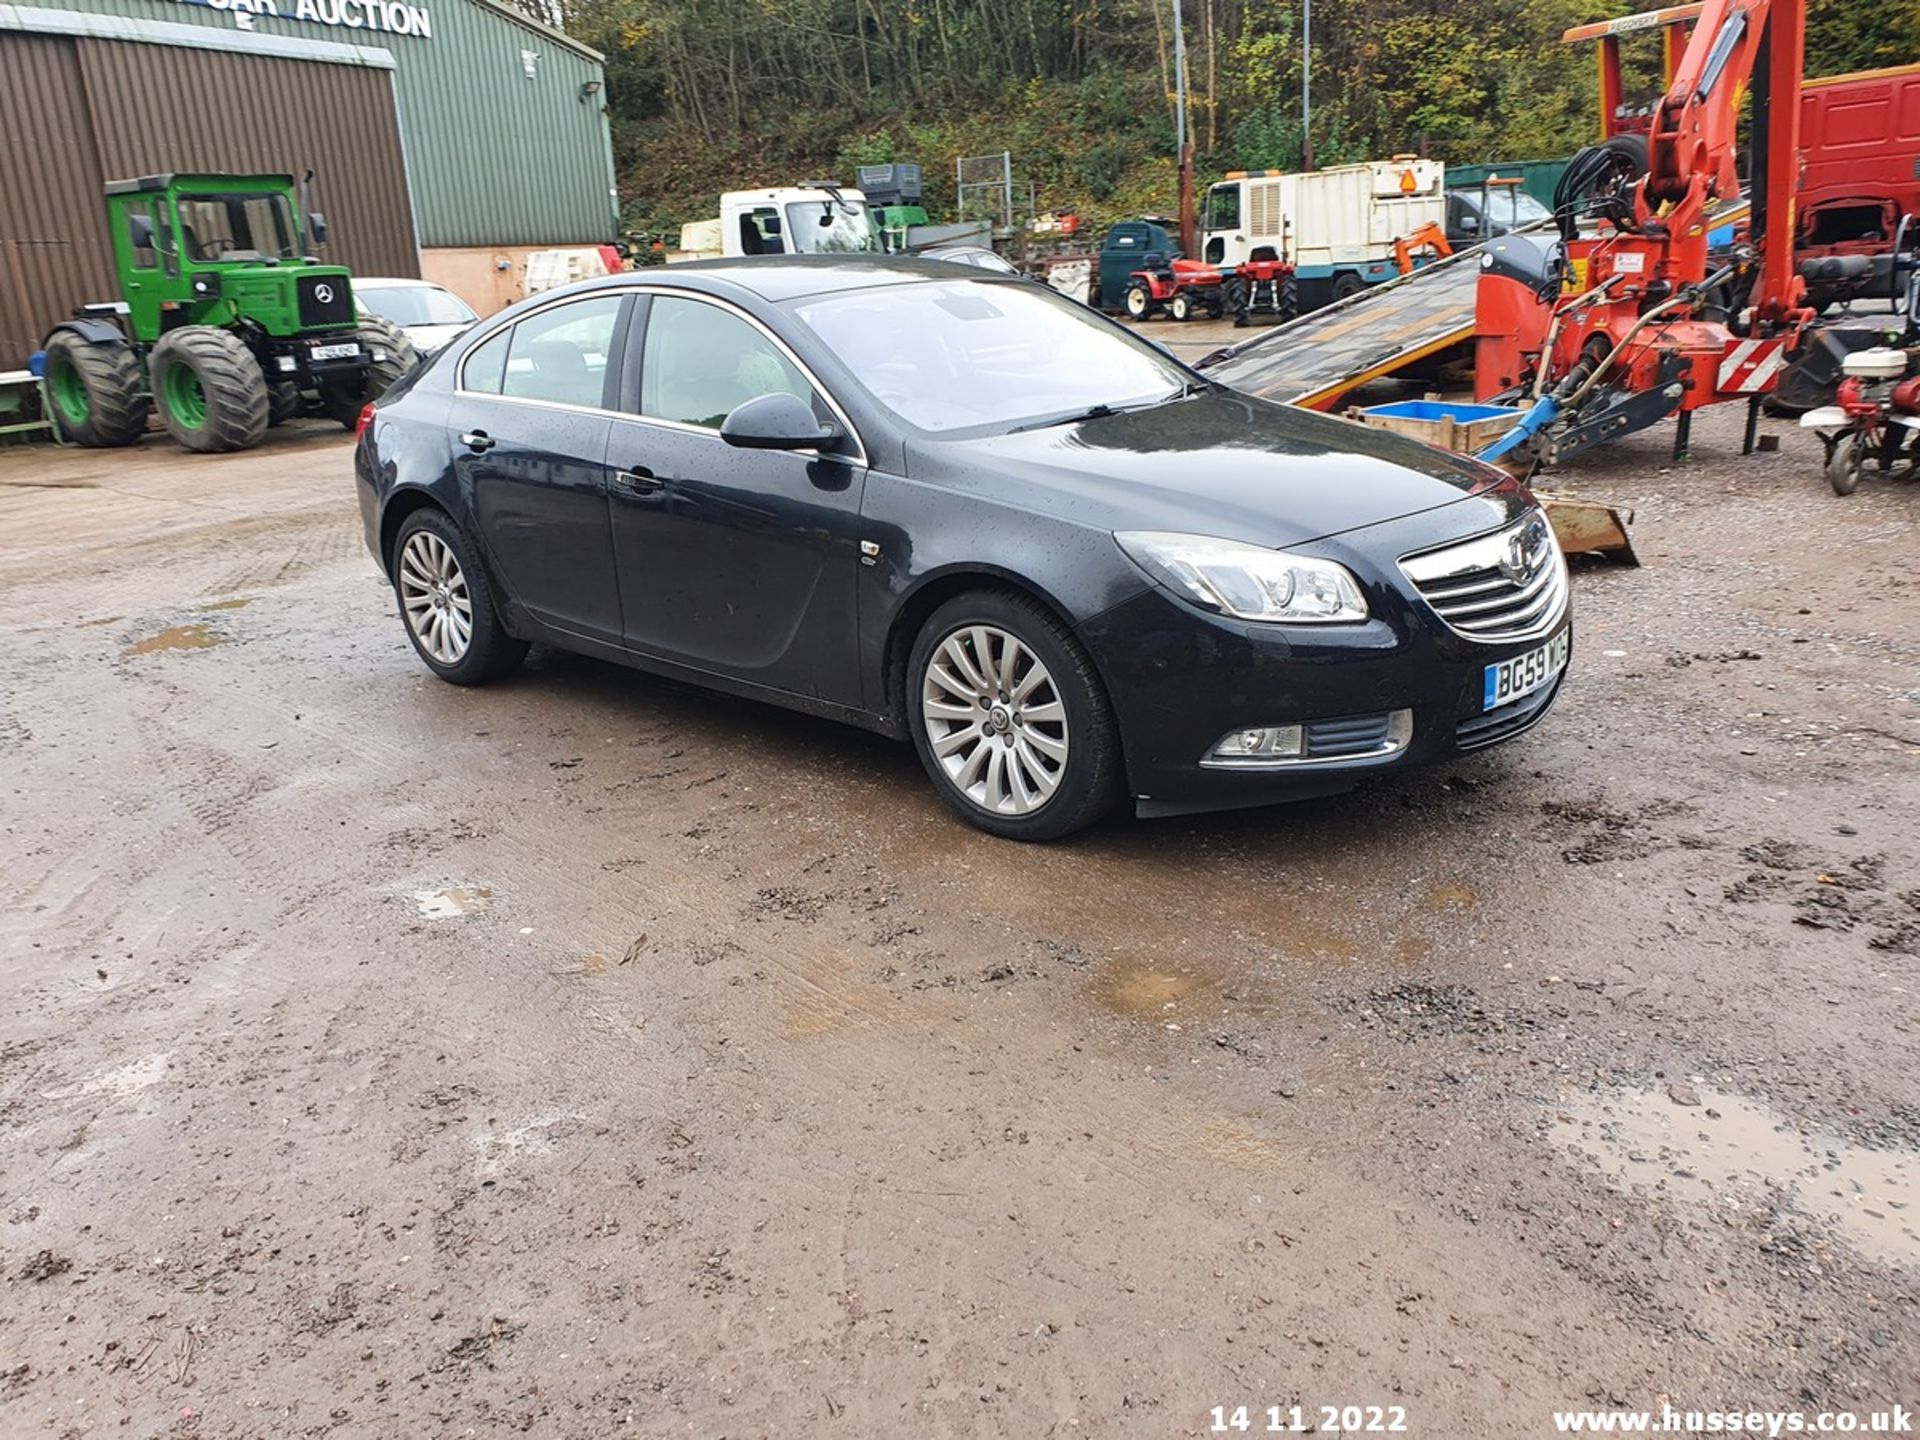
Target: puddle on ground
[
  {"x": 1450, "y": 897},
  {"x": 1731, "y": 1152},
  {"x": 240, "y": 603},
  {"x": 1137, "y": 990},
  {"x": 178, "y": 637},
  {"x": 453, "y": 901}
]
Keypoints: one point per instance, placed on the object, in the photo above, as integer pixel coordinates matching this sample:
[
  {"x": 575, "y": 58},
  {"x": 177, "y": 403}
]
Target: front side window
[
  {"x": 1223, "y": 207},
  {"x": 236, "y": 227},
  {"x": 985, "y": 355},
  {"x": 560, "y": 355},
  {"x": 701, "y": 362}
]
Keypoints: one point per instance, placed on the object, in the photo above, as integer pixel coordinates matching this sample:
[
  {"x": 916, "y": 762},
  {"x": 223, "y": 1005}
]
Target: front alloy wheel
[
  {"x": 1010, "y": 718},
  {"x": 995, "y": 720}
]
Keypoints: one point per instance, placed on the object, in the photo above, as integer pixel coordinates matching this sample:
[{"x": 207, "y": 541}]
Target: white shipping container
[{"x": 1344, "y": 219}]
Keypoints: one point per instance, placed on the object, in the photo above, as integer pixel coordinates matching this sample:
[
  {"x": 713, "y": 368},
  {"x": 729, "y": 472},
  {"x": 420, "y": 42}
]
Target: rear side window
[
  {"x": 700, "y": 362},
  {"x": 487, "y": 364},
  {"x": 143, "y": 256},
  {"x": 560, "y": 355}
]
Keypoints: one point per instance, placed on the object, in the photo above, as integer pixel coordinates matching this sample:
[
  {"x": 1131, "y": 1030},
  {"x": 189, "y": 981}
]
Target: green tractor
[{"x": 227, "y": 325}]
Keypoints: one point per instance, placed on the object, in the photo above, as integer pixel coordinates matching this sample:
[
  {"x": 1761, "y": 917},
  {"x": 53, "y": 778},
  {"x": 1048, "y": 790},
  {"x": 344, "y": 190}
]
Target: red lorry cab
[{"x": 1860, "y": 147}]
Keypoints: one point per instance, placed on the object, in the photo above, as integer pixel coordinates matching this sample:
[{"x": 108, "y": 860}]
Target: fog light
[
  {"x": 286, "y": 364},
  {"x": 1270, "y": 742}
]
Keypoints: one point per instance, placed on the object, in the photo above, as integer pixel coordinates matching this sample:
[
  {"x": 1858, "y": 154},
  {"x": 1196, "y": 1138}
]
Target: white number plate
[
  {"x": 335, "y": 352},
  {"x": 1524, "y": 674}
]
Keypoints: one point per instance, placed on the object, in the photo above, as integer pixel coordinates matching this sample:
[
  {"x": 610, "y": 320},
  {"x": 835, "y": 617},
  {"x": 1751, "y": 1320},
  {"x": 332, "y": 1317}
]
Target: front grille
[
  {"x": 1509, "y": 585},
  {"x": 324, "y": 300},
  {"x": 1508, "y": 720},
  {"x": 1338, "y": 739}
]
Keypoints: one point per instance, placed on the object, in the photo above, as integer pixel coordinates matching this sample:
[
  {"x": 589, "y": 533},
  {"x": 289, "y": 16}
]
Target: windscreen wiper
[{"x": 1103, "y": 410}]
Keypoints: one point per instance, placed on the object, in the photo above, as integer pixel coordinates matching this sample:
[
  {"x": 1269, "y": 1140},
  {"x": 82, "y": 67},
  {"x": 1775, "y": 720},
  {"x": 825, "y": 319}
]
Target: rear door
[
  {"x": 740, "y": 563},
  {"x": 529, "y": 426}
]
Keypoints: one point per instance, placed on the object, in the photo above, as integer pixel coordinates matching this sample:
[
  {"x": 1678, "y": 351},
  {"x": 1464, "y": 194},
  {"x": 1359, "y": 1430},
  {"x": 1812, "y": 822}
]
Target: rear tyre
[
  {"x": 447, "y": 605},
  {"x": 1346, "y": 283},
  {"x": 96, "y": 390},
  {"x": 1236, "y": 300},
  {"x": 209, "y": 389},
  {"x": 1289, "y": 298},
  {"x": 1845, "y": 463},
  {"x": 392, "y": 358},
  {"x": 1010, "y": 719}
]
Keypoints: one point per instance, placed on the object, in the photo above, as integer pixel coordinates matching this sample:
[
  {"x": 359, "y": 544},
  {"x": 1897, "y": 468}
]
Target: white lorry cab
[
  {"x": 817, "y": 218},
  {"x": 1337, "y": 226}
]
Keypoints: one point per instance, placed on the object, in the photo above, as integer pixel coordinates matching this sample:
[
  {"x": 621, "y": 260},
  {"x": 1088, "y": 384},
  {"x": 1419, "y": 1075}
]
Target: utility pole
[
  {"x": 1180, "y": 138},
  {"x": 1306, "y": 84}
]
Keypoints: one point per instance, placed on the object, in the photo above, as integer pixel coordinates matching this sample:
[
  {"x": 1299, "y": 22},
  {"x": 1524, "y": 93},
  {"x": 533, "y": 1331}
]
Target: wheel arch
[
  {"x": 401, "y": 504},
  {"x": 928, "y": 596},
  {"x": 89, "y": 329}
]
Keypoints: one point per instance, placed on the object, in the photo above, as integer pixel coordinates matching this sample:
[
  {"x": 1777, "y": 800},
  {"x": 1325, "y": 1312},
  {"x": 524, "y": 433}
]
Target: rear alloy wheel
[
  {"x": 209, "y": 389},
  {"x": 97, "y": 396},
  {"x": 1009, "y": 718},
  {"x": 447, "y": 605}
]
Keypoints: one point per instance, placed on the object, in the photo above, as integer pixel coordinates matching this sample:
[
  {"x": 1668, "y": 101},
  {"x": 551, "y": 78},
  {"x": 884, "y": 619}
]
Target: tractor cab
[{"x": 220, "y": 249}]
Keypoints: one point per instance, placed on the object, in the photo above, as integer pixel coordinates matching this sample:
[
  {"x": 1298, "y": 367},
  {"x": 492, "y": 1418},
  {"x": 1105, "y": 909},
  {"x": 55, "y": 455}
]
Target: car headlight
[{"x": 1248, "y": 582}]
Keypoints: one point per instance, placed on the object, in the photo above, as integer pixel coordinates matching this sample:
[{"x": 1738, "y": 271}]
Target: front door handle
[
  {"x": 637, "y": 481},
  {"x": 477, "y": 441}
]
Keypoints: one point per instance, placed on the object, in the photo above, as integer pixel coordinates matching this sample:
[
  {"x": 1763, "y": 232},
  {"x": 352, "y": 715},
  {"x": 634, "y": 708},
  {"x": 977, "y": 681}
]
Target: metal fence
[{"x": 983, "y": 188}]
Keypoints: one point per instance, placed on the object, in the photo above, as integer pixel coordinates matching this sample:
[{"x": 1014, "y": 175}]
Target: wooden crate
[{"x": 1457, "y": 425}]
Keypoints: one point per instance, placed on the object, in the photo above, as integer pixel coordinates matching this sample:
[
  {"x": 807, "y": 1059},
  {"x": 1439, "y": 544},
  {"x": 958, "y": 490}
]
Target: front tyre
[
  {"x": 1009, "y": 718},
  {"x": 390, "y": 357},
  {"x": 1139, "y": 301},
  {"x": 209, "y": 389},
  {"x": 1845, "y": 461},
  {"x": 447, "y": 604}
]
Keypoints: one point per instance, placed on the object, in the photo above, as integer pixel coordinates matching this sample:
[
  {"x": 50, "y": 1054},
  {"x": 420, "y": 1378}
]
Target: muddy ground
[{"x": 589, "y": 1055}]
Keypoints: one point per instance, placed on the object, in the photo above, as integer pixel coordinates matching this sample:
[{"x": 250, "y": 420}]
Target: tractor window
[
  {"x": 236, "y": 227},
  {"x": 760, "y": 232},
  {"x": 144, "y": 256}
]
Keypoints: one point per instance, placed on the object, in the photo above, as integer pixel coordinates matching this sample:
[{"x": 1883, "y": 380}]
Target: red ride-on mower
[
  {"x": 1263, "y": 285},
  {"x": 1181, "y": 289}
]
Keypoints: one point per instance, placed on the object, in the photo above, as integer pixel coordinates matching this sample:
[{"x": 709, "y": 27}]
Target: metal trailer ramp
[{"x": 1321, "y": 356}]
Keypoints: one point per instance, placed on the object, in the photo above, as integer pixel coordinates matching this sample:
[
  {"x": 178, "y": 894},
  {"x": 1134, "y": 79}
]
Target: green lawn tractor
[{"x": 226, "y": 323}]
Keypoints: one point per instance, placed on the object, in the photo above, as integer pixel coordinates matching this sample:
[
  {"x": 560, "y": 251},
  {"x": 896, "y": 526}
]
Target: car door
[
  {"x": 736, "y": 562},
  {"x": 529, "y": 425}
]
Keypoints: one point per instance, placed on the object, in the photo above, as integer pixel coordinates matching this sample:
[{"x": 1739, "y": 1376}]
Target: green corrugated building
[{"x": 449, "y": 138}]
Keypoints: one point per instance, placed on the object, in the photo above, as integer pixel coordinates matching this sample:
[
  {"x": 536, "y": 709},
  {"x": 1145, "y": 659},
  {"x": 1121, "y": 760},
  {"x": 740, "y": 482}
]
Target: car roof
[
  {"x": 788, "y": 277},
  {"x": 392, "y": 282}
]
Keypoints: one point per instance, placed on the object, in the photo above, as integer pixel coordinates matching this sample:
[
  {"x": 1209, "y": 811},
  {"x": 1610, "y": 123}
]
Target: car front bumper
[{"x": 1180, "y": 679}]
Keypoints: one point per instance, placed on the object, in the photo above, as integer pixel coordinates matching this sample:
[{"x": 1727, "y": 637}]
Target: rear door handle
[
  {"x": 477, "y": 441},
  {"x": 638, "y": 481}
]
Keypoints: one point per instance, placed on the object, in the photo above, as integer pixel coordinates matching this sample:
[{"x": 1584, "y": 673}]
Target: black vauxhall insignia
[{"x": 954, "y": 506}]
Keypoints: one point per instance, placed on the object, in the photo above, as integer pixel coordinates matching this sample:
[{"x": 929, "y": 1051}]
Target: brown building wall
[{"x": 84, "y": 111}]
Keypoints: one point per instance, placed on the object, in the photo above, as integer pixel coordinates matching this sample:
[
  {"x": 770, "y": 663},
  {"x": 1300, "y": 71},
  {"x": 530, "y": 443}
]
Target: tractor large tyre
[
  {"x": 97, "y": 394},
  {"x": 209, "y": 389},
  {"x": 1289, "y": 298},
  {"x": 283, "y": 402},
  {"x": 1236, "y": 300},
  {"x": 392, "y": 359}
]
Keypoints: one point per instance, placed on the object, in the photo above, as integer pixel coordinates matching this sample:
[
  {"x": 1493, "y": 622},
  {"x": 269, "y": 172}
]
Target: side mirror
[
  {"x": 317, "y": 227},
  {"x": 1469, "y": 224},
  {"x": 771, "y": 225},
  {"x": 140, "y": 231},
  {"x": 776, "y": 422}
]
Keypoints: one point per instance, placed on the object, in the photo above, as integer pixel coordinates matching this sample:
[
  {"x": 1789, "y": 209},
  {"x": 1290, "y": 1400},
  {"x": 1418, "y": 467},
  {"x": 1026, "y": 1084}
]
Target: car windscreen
[
  {"x": 1512, "y": 207},
  {"x": 984, "y": 355},
  {"x": 416, "y": 305}
]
